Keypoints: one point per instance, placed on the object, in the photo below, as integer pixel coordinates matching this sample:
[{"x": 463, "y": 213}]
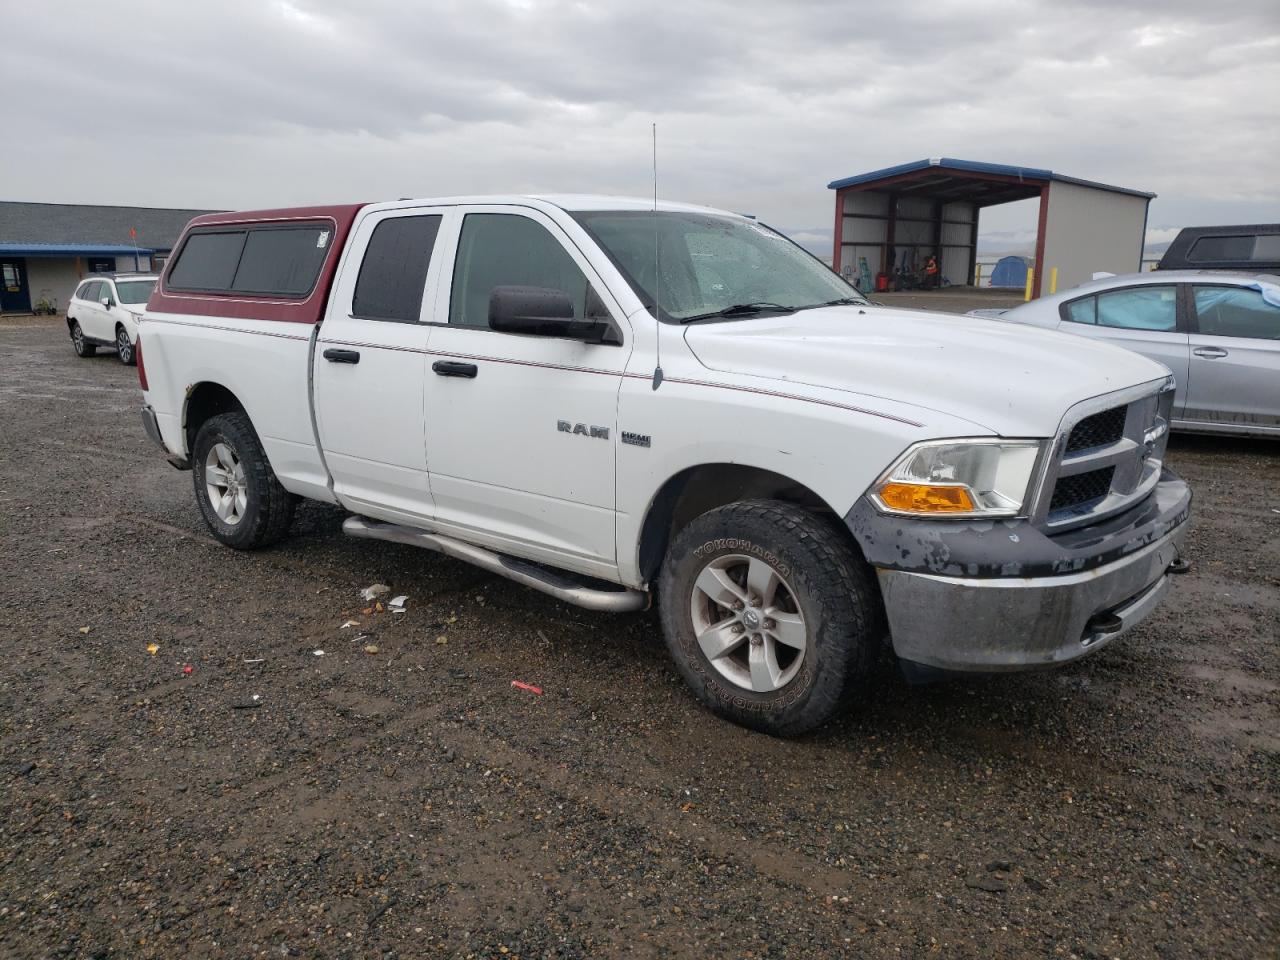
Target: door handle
[
  {"x": 451, "y": 368},
  {"x": 1209, "y": 353},
  {"x": 342, "y": 356}
]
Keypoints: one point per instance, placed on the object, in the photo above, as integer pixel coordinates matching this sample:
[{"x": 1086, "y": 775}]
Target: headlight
[{"x": 960, "y": 478}]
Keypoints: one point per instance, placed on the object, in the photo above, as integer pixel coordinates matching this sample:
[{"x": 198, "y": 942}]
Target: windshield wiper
[
  {"x": 741, "y": 310},
  {"x": 841, "y": 302}
]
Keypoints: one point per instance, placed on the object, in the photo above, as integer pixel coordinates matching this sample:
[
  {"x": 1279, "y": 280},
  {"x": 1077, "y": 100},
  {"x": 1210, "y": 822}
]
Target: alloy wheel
[
  {"x": 748, "y": 623},
  {"x": 224, "y": 482}
]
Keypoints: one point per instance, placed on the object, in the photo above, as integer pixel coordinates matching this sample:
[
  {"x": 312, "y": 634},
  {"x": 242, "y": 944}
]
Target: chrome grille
[
  {"x": 1098, "y": 430},
  {"x": 1081, "y": 488},
  {"x": 1107, "y": 456}
]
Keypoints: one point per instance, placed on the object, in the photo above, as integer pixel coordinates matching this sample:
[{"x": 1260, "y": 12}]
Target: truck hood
[{"x": 1009, "y": 379}]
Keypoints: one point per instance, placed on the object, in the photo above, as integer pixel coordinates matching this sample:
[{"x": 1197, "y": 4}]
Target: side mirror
[
  {"x": 544, "y": 312},
  {"x": 105, "y": 301}
]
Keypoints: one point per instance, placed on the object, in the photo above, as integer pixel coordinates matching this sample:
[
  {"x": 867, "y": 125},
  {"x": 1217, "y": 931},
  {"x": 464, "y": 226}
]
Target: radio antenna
[{"x": 657, "y": 267}]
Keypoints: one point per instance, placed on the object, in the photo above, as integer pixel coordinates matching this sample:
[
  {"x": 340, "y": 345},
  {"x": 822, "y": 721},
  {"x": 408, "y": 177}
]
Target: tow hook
[{"x": 1179, "y": 566}]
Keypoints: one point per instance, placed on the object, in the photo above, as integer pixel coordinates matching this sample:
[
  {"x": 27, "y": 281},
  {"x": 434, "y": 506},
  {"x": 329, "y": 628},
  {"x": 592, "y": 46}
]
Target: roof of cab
[{"x": 571, "y": 203}]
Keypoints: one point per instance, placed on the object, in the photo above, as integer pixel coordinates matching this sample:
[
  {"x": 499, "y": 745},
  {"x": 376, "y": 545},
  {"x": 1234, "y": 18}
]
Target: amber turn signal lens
[{"x": 926, "y": 498}]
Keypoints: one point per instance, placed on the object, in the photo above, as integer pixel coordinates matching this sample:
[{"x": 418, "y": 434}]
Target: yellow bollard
[
  {"x": 1031, "y": 275},
  {"x": 1053, "y": 280},
  {"x": 977, "y": 276}
]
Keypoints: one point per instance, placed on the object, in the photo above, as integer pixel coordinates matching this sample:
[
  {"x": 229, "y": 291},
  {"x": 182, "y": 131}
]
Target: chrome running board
[{"x": 563, "y": 586}]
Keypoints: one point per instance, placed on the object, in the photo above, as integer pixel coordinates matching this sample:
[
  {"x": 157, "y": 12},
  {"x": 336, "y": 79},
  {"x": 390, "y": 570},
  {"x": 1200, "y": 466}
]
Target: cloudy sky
[{"x": 248, "y": 103}]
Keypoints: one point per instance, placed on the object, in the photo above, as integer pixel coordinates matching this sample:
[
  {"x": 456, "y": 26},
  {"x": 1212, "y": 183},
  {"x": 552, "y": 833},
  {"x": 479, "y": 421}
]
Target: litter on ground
[
  {"x": 397, "y": 604},
  {"x": 153, "y": 648},
  {"x": 374, "y": 592},
  {"x": 520, "y": 684}
]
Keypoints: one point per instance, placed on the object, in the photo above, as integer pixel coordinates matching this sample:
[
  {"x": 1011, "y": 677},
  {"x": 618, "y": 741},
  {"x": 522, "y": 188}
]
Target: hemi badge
[{"x": 635, "y": 439}]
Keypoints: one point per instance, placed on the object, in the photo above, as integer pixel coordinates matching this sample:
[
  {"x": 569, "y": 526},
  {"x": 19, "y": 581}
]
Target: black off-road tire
[
  {"x": 82, "y": 347},
  {"x": 269, "y": 507},
  {"x": 833, "y": 588}
]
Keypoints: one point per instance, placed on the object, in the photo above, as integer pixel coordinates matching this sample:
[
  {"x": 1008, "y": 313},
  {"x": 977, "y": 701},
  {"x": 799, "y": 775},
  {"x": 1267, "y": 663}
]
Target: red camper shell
[{"x": 256, "y": 264}]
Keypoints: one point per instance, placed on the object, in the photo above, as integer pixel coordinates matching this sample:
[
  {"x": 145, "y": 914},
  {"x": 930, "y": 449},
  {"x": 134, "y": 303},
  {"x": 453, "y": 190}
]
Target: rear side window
[
  {"x": 267, "y": 260},
  {"x": 1139, "y": 308},
  {"x": 1210, "y": 249},
  {"x": 86, "y": 290},
  {"x": 1236, "y": 312},
  {"x": 208, "y": 261},
  {"x": 282, "y": 262},
  {"x": 393, "y": 273},
  {"x": 1267, "y": 247},
  {"x": 1082, "y": 311}
]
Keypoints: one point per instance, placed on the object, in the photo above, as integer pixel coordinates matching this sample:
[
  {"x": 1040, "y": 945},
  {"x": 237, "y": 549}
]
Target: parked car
[
  {"x": 1254, "y": 247},
  {"x": 1218, "y": 332},
  {"x": 723, "y": 424},
  {"x": 104, "y": 312}
]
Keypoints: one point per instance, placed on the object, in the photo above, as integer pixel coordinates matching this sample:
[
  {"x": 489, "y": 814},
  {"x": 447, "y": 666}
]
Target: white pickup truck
[{"x": 607, "y": 401}]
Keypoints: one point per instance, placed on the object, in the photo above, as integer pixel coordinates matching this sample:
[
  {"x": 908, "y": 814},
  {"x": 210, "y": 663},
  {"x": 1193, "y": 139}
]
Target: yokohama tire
[
  {"x": 260, "y": 508},
  {"x": 822, "y": 592}
]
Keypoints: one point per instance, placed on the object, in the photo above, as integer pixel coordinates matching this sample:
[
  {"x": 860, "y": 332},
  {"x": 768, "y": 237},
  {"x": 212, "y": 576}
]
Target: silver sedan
[{"x": 1218, "y": 332}]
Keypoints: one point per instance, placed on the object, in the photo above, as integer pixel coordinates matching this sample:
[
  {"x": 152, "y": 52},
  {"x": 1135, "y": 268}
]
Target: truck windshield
[
  {"x": 135, "y": 291},
  {"x": 710, "y": 266}
]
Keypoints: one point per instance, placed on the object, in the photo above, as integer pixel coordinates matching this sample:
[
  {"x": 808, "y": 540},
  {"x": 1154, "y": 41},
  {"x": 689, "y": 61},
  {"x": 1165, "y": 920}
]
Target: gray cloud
[{"x": 759, "y": 104}]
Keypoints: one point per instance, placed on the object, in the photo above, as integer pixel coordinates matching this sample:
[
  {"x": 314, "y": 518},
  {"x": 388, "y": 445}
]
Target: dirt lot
[{"x": 411, "y": 802}]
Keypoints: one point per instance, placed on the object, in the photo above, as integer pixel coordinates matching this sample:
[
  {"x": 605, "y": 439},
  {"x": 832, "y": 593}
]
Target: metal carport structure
[{"x": 902, "y": 214}]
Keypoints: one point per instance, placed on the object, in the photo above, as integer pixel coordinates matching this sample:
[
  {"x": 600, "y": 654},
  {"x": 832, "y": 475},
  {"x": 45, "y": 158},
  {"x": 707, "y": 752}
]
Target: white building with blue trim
[{"x": 46, "y": 249}]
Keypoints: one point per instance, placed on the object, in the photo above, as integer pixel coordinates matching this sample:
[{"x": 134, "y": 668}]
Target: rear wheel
[
  {"x": 769, "y": 614},
  {"x": 124, "y": 346},
  {"x": 82, "y": 347},
  {"x": 241, "y": 500}
]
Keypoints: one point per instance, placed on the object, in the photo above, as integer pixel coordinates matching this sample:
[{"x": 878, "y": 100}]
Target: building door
[{"x": 14, "y": 295}]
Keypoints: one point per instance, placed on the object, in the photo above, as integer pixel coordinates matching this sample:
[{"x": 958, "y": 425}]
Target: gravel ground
[{"x": 411, "y": 802}]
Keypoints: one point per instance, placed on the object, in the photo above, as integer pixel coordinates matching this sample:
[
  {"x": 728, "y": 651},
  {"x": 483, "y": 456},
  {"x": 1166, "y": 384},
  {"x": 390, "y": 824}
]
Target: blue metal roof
[
  {"x": 1031, "y": 174},
  {"x": 71, "y": 250}
]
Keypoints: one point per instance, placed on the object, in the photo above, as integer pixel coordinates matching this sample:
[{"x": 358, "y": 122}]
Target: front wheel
[
  {"x": 769, "y": 614},
  {"x": 124, "y": 346},
  {"x": 241, "y": 500}
]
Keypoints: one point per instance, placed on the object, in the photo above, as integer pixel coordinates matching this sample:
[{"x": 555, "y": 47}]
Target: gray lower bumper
[{"x": 1021, "y": 623}]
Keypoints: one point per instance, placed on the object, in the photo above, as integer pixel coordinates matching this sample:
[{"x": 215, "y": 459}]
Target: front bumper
[{"x": 1064, "y": 597}]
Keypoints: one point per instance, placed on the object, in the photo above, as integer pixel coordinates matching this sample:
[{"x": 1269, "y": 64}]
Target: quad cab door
[
  {"x": 1234, "y": 378},
  {"x": 369, "y": 364},
  {"x": 522, "y": 428}
]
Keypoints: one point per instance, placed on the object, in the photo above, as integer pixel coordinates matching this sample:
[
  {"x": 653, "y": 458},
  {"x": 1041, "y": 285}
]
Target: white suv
[{"x": 104, "y": 312}]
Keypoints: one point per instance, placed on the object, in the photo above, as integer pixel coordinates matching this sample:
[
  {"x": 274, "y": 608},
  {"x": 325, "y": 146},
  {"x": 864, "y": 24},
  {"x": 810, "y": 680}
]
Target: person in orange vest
[{"x": 931, "y": 273}]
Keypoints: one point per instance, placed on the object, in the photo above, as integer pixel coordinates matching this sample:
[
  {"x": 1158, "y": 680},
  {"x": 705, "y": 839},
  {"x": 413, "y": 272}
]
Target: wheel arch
[
  {"x": 205, "y": 400},
  {"x": 695, "y": 490}
]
